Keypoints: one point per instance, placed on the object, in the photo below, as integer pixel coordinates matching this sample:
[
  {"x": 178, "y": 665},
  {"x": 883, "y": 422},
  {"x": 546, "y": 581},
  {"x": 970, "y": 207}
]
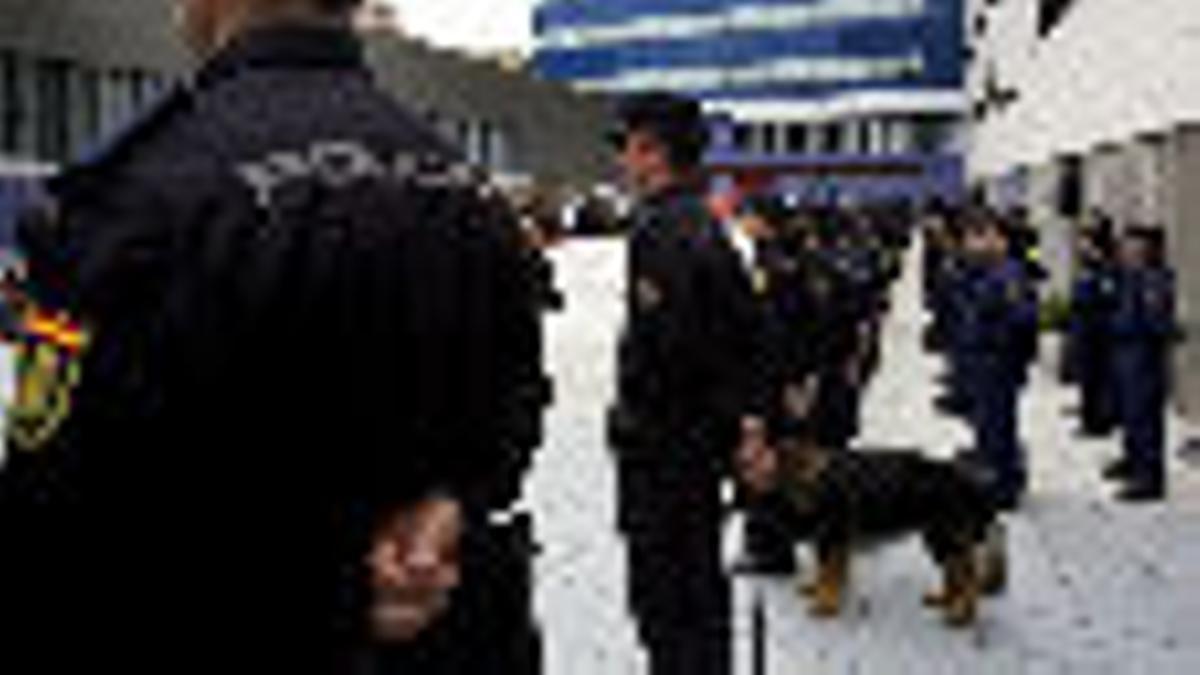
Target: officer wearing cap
[
  {"x": 1142, "y": 327},
  {"x": 685, "y": 389},
  {"x": 999, "y": 311},
  {"x": 280, "y": 366}
]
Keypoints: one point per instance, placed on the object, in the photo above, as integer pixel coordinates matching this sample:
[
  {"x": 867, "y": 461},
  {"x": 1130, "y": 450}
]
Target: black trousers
[
  {"x": 770, "y": 539},
  {"x": 1097, "y": 395},
  {"x": 679, "y": 594},
  {"x": 836, "y": 413}
]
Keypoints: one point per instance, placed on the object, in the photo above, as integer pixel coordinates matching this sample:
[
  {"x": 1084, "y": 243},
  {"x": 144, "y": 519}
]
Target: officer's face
[
  {"x": 1134, "y": 252},
  {"x": 1088, "y": 250},
  {"x": 644, "y": 162},
  {"x": 975, "y": 244}
]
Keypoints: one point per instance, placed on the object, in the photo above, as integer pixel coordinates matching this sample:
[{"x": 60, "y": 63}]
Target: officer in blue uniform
[
  {"x": 279, "y": 371},
  {"x": 686, "y": 386},
  {"x": 1093, "y": 300},
  {"x": 1143, "y": 327},
  {"x": 951, "y": 306},
  {"x": 999, "y": 312}
]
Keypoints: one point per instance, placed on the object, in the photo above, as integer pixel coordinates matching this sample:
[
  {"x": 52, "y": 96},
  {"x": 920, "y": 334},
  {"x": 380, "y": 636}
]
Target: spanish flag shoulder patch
[{"x": 49, "y": 350}]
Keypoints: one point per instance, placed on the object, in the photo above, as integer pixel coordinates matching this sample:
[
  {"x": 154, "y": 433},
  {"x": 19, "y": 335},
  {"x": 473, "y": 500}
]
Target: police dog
[{"x": 843, "y": 501}]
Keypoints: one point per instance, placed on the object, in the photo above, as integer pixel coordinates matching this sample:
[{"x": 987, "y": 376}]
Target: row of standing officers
[
  {"x": 1123, "y": 326},
  {"x": 982, "y": 276}
]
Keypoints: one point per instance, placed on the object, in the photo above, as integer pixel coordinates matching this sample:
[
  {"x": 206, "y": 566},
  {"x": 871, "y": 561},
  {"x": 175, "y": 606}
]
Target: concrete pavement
[{"x": 1096, "y": 587}]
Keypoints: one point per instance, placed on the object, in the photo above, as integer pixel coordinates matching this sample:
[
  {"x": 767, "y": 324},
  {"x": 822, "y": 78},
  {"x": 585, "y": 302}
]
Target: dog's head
[{"x": 802, "y": 464}]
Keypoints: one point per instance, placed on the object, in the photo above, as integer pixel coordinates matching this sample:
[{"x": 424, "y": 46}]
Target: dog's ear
[{"x": 802, "y": 459}]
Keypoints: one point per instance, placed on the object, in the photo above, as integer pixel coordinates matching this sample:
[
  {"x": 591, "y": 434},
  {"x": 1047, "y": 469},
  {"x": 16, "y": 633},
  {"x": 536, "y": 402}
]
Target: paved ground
[{"x": 1097, "y": 587}]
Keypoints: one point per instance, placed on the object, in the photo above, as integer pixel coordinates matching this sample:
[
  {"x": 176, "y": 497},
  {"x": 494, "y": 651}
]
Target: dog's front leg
[
  {"x": 962, "y": 586},
  {"x": 833, "y": 571}
]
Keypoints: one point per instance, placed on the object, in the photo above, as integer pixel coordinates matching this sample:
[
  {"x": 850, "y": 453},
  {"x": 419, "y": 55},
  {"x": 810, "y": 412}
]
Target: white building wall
[
  {"x": 1111, "y": 70},
  {"x": 1116, "y": 84}
]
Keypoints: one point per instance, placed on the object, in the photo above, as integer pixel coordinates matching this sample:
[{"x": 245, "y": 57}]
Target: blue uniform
[
  {"x": 1092, "y": 304},
  {"x": 958, "y": 277},
  {"x": 1142, "y": 327},
  {"x": 999, "y": 316}
]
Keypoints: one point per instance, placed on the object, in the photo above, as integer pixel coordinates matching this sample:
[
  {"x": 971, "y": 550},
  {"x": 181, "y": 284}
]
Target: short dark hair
[
  {"x": 677, "y": 122},
  {"x": 337, "y": 6}
]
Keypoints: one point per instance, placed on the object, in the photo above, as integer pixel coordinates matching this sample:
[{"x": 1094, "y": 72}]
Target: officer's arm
[
  {"x": 519, "y": 384},
  {"x": 1158, "y": 307},
  {"x": 636, "y": 367},
  {"x": 741, "y": 353}
]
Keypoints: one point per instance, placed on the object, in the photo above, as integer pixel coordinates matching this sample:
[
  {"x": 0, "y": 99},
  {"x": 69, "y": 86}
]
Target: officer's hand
[
  {"x": 415, "y": 566},
  {"x": 757, "y": 461}
]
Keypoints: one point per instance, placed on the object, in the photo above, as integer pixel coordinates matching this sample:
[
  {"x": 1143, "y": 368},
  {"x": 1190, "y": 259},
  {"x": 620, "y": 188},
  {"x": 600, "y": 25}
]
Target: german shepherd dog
[{"x": 845, "y": 500}]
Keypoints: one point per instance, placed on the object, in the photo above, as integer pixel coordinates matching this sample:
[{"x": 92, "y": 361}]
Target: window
[
  {"x": 10, "y": 103},
  {"x": 832, "y": 139},
  {"x": 119, "y": 99},
  {"x": 741, "y": 136},
  {"x": 770, "y": 139},
  {"x": 1051, "y": 13},
  {"x": 486, "y": 132},
  {"x": 90, "y": 106},
  {"x": 932, "y": 135},
  {"x": 797, "y": 138},
  {"x": 53, "y": 106}
]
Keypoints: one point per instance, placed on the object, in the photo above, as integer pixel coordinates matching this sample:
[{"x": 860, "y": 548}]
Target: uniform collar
[{"x": 287, "y": 46}]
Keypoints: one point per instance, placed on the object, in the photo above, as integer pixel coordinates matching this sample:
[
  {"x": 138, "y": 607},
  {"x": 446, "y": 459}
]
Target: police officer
[
  {"x": 1092, "y": 302},
  {"x": 1142, "y": 327},
  {"x": 684, "y": 390},
  {"x": 776, "y": 269},
  {"x": 1000, "y": 311},
  {"x": 839, "y": 283},
  {"x": 281, "y": 365}
]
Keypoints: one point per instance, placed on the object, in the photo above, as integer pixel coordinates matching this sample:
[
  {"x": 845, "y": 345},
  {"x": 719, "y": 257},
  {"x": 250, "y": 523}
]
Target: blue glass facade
[
  {"x": 582, "y": 40},
  {"x": 734, "y": 54}
]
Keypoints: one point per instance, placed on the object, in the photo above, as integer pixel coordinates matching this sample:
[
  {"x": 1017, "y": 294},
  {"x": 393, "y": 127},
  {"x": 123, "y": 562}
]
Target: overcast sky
[{"x": 472, "y": 24}]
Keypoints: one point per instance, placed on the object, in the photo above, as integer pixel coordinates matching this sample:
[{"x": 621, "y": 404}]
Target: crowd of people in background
[
  {"x": 1123, "y": 325},
  {"x": 983, "y": 287},
  {"x": 822, "y": 278}
]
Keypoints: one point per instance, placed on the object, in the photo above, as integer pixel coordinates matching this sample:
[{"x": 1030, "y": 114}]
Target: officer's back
[{"x": 294, "y": 305}]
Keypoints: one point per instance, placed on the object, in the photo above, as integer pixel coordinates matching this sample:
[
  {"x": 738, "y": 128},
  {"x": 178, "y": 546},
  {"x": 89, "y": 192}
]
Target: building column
[{"x": 1182, "y": 174}]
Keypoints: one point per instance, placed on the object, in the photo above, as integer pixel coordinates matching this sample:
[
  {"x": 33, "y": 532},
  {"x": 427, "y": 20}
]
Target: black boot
[
  {"x": 1142, "y": 491},
  {"x": 1117, "y": 470}
]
